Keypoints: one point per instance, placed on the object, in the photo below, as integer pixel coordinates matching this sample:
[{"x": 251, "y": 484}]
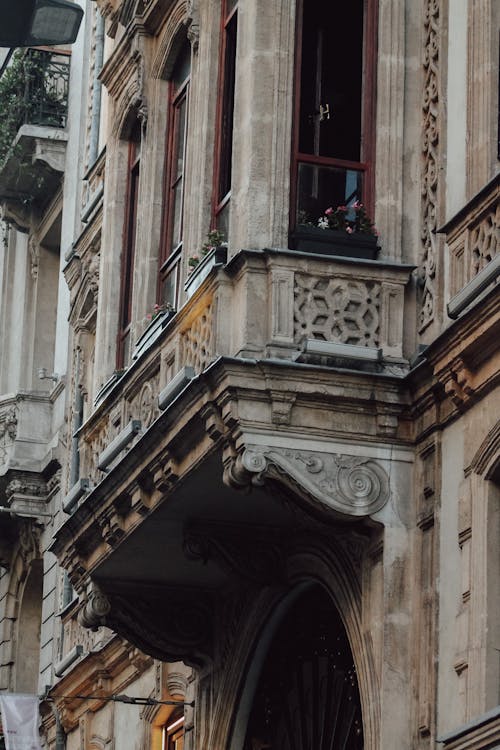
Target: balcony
[
  {"x": 472, "y": 238},
  {"x": 34, "y": 98},
  {"x": 25, "y": 464},
  {"x": 254, "y": 439}
]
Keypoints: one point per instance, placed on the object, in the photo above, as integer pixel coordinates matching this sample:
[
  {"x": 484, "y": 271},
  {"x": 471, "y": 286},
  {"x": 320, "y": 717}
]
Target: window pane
[
  {"x": 180, "y": 135},
  {"x": 322, "y": 187},
  {"x": 177, "y": 214},
  {"x": 227, "y": 114},
  {"x": 331, "y": 76},
  {"x": 169, "y": 287}
]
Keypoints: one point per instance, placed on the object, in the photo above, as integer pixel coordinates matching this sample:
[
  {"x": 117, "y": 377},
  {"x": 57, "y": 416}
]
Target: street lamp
[{"x": 32, "y": 23}]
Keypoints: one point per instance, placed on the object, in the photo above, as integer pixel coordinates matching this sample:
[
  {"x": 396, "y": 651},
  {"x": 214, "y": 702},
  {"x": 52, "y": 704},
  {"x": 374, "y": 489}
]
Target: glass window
[
  {"x": 334, "y": 105},
  {"x": 225, "y": 116},
  {"x": 175, "y": 162},
  {"x": 128, "y": 251},
  {"x": 173, "y": 734}
]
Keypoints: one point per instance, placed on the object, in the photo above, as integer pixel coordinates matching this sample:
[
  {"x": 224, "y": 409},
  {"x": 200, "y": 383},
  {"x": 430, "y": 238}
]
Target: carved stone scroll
[{"x": 350, "y": 485}]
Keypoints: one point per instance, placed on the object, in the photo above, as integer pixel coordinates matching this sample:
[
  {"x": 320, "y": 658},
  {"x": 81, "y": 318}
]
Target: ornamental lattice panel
[{"x": 336, "y": 309}]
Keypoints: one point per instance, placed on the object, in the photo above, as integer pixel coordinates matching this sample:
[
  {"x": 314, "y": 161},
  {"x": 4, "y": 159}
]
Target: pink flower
[
  {"x": 342, "y": 208},
  {"x": 329, "y": 211},
  {"x": 349, "y": 230},
  {"x": 358, "y": 205}
]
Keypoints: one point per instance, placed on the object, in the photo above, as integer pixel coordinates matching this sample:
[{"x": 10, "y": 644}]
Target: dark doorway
[{"x": 307, "y": 696}]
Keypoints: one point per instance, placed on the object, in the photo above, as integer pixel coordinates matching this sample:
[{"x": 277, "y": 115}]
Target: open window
[
  {"x": 333, "y": 140},
  {"x": 225, "y": 117},
  {"x": 128, "y": 251},
  {"x": 174, "y": 178},
  {"x": 173, "y": 733}
]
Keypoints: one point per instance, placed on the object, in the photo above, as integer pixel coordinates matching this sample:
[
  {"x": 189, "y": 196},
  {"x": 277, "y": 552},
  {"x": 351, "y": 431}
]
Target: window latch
[{"x": 324, "y": 112}]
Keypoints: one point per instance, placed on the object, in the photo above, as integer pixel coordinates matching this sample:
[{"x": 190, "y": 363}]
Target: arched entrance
[{"x": 307, "y": 695}]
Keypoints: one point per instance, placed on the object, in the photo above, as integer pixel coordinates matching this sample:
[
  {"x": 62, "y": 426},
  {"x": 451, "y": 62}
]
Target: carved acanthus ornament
[
  {"x": 193, "y": 23},
  {"x": 350, "y": 485},
  {"x": 430, "y": 161}
]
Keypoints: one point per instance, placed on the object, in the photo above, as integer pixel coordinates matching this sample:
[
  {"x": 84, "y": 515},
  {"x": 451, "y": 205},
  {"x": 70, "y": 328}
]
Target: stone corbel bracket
[{"x": 352, "y": 486}]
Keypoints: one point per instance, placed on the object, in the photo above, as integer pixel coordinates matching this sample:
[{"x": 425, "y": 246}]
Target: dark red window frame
[
  {"x": 225, "y": 115},
  {"x": 365, "y": 165},
  {"x": 173, "y": 187},
  {"x": 128, "y": 250}
]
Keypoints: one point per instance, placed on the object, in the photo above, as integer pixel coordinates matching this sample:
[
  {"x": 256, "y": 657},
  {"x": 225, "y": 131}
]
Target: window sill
[{"x": 334, "y": 242}]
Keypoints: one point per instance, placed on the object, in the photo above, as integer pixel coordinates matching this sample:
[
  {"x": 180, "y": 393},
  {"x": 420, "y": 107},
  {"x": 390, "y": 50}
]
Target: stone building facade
[{"x": 250, "y": 467}]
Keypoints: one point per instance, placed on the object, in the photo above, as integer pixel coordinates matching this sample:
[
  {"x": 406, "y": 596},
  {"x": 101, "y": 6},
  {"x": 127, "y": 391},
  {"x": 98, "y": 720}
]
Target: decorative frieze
[{"x": 429, "y": 211}]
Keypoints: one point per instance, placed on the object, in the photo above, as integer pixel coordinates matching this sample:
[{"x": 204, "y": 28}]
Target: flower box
[
  {"x": 152, "y": 333},
  {"x": 214, "y": 259},
  {"x": 335, "y": 242}
]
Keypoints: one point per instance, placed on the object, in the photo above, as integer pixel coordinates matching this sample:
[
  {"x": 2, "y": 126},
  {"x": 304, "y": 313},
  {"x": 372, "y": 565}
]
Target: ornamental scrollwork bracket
[
  {"x": 96, "y": 608},
  {"x": 348, "y": 485}
]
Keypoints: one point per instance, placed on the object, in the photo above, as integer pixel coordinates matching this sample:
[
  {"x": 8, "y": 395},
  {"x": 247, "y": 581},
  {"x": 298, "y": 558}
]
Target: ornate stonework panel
[
  {"x": 483, "y": 240},
  {"x": 335, "y": 309},
  {"x": 430, "y": 160},
  {"x": 8, "y": 431},
  {"x": 198, "y": 341},
  {"x": 350, "y": 485}
]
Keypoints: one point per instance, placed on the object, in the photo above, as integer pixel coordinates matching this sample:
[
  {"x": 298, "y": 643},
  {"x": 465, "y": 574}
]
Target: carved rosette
[
  {"x": 430, "y": 161},
  {"x": 350, "y": 485}
]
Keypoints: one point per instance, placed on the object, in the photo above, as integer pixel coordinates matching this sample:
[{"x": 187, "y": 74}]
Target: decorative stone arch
[
  {"x": 312, "y": 564},
  {"x": 23, "y": 606},
  {"x": 172, "y": 38},
  {"x": 486, "y": 461}
]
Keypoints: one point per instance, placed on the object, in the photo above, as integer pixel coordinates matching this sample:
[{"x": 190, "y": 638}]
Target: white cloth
[{"x": 20, "y": 720}]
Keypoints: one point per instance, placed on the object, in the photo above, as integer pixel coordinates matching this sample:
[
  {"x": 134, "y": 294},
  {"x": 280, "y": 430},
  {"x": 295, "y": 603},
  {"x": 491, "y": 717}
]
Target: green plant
[
  {"x": 159, "y": 309},
  {"x": 215, "y": 238},
  {"x": 350, "y": 219},
  {"x": 26, "y": 95}
]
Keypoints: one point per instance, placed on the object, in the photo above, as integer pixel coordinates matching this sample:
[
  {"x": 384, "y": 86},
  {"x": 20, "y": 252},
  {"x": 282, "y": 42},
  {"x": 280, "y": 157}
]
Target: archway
[{"x": 307, "y": 694}]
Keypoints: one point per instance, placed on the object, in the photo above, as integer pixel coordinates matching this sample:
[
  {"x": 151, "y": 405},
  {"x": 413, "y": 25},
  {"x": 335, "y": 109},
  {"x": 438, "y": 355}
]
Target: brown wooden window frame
[
  {"x": 225, "y": 115},
  {"x": 173, "y": 731},
  {"x": 128, "y": 248},
  {"x": 365, "y": 165}
]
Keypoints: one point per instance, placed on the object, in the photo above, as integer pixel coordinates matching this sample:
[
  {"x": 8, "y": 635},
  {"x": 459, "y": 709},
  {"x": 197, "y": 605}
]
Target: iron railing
[{"x": 46, "y": 86}]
